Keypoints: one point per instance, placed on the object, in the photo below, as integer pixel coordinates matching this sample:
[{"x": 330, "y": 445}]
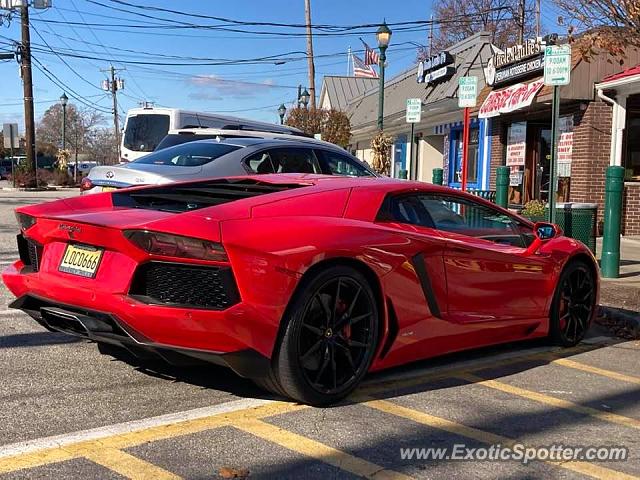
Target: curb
[{"x": 625, "y": 323}]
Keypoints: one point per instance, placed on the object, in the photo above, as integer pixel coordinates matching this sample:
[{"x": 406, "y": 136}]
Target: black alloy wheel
[
  {"x": 329, "y": 340},
  {"x": 574, "y": 305},
  {"x": 336, "y": 335}
]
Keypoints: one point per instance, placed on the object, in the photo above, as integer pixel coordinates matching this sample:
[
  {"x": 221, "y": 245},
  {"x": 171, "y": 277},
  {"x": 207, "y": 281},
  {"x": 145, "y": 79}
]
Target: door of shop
[{"x": 536, "y": 175}]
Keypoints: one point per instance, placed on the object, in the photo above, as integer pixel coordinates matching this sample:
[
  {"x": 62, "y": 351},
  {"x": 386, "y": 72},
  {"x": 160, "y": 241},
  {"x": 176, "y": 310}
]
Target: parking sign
[
  {"x": 557, "y": 64},
  {"x": 414, "y": 110},
  {"x": 467, "y": 91}
]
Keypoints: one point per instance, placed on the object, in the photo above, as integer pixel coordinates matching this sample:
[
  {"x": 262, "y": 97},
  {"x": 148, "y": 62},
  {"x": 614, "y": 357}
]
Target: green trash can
[{"x": 579, "y": 221}]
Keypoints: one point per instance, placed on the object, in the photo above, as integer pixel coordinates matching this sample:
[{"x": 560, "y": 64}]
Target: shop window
[
  {"x": 631, "y": 162},
  {"x": 472, "y": 165}
]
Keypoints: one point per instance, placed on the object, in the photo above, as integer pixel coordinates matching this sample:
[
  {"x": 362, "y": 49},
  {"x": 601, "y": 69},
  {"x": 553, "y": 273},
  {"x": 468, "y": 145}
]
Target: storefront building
[
  {"x": 518, "y": 106},
  {"x": 437, "y": 141},
  {"x": 622, "y": 91}
]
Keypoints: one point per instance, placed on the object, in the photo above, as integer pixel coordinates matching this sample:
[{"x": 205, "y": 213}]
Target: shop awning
[
  {"x": 510, "y": 99},
  {"x": 629, "y": 72}
]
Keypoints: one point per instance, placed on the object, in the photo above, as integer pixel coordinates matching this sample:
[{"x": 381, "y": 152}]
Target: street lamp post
[
  {"x": 304, "y": 98},
  {"x": 383, "y": 36},
  {"x": 281, "y": 111},
  {"x": 63, "y": 101}
]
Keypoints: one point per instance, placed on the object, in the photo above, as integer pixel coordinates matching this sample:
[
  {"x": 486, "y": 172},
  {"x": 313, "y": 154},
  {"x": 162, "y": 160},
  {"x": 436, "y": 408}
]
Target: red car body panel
[{"x": 481, "y": 292}]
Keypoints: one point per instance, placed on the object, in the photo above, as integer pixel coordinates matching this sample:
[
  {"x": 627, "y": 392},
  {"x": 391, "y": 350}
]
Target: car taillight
[
  {"x": 165, "y": 245},
  {"x": 25, "y": 221},
  {"x": 86, "y": 184}
]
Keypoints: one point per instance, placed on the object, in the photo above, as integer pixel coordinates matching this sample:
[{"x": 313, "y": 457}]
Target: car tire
[
  {"x": 573, "y": 306},
  {"x": 329, "y": 338}
]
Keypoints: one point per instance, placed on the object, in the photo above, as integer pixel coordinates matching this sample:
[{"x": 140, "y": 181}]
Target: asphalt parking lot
[{"x": 66, "y": 411}]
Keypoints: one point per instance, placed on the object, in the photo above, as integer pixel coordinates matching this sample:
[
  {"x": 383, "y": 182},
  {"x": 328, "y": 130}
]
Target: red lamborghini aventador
[{"x": 302, "y": 283}]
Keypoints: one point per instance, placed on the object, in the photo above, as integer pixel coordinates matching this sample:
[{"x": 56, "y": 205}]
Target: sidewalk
[{"x": 620, "y": 297}]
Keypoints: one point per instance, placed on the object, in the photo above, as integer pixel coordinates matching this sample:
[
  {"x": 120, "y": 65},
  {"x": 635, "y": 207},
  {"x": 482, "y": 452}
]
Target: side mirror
[{"x": 544, "y": 232}]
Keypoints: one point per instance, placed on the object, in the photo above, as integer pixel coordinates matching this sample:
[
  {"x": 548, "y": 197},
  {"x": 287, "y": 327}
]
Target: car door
[{"x": 490, "y": 276}]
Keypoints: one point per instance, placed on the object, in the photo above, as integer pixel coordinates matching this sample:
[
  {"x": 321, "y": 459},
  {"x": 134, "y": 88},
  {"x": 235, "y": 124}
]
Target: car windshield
[
  {"x": 144, "y": 132},
  {"x": 187, "y": 155}
]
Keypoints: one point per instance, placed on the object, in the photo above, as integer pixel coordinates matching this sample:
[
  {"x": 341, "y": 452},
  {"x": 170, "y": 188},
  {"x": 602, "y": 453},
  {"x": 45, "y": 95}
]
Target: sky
[{"x": 109, "y": 32}]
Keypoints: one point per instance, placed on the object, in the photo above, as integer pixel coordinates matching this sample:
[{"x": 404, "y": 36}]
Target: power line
[
  {"x": 55, "y": 80},
  {"x": 276, "y": 24},
  {"x": 62, "y": 59}
]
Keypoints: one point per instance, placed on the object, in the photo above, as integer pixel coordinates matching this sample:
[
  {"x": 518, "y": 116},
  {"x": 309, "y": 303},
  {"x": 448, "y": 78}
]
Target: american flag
[
  {"x": 361, "y": 69},
  {"x": 371, "y": 57}
]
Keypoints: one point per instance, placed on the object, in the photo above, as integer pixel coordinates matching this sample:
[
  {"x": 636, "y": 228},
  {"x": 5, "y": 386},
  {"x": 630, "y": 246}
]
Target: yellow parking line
[
  {"x": 36, "y": 459},
  {"x": 553, "y": 401},
  {"x": 598, "y": 371},
  {"x": 489, "y": 438},
  {"x": 544, "y": 357},
  {"x": 131, "y": 439},
  {"x": 127, "y": 465},
  {"x": 318, "y": 451}
]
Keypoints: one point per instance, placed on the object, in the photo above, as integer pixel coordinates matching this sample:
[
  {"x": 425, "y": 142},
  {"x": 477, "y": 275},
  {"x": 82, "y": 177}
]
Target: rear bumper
[{"x": 106, "y": 327}]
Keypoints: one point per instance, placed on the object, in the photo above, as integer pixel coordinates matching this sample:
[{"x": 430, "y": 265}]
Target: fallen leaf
[{"x": 230, "y": 472}]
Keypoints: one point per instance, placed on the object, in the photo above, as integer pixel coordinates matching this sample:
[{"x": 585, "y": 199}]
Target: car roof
[
  {"x": 265, "y": 135},
  {"x": 271, "y": 142}
]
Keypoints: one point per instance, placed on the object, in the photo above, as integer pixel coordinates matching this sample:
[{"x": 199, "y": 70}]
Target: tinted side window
[
  {"x": 460, "y": 215},
  {"x": 260, "y": 162},
  {"x": 294, "y": 160},
  {"x": 338, "y": 164},
  {"x": 407, "y": 209}
]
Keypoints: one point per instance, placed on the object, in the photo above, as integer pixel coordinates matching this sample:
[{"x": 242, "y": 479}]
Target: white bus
[{"x": 144, "y": 128}]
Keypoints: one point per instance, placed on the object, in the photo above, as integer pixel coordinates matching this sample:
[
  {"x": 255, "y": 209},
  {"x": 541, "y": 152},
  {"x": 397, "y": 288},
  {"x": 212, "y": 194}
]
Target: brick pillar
[
  {"x": 591, "y": 151},
  {"x": 498, "y": 140}
]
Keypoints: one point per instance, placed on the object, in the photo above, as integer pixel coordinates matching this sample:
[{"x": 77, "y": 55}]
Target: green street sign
[
  {"x": 467, "y": 91},
  {"x": 557, "y": 64},
  {"x": 414, "y": 110}
]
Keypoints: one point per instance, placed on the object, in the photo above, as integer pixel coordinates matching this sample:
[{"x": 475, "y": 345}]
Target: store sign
[
  {"x": 565, "y": 146},
  {"x": 510, "y": 99},
  {"x": 436, "y": 68},
  {"x": 414, "y": 110},
  {"x": 467, "y": 91},
  {"x": 557, "y": 65},
  {"x": 517, "y": 144},
  {"x": 515, "y": 63}
]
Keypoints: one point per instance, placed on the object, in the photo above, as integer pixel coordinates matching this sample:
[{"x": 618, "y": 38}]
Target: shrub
[
  {"x": 381, "y": 146},
  {"x": 534, "y": 208}
]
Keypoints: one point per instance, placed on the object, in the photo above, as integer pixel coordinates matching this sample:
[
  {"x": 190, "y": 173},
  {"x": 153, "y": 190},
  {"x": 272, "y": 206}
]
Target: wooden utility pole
[
  {"x": 521, "y": 17},
  {"x": 431, "y": 36},
  {"x": 312, "y": 68},
  {"x": 538, "y": 21},
  {"x": 27, "y": 85},
  {"x": 113, "y": 85}
]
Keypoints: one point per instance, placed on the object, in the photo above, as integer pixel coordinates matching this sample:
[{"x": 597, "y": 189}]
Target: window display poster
[
  {"x": 515, "y": 176},
  {"x": 516, "y": 144},
  {"x": 565, "y": 146}
]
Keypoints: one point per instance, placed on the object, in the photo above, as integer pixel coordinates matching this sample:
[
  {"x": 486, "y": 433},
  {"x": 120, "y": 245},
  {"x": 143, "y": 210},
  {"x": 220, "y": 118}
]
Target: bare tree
[
  {"x": 609, "y": 25},
  {"x": 79, "y": 124},
  {"x": 459, "y": 19}
]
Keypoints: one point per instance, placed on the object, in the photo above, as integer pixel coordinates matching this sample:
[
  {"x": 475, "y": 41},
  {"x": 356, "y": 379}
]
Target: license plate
[
  {"x": 108, "y": 189},
  {"x": 81, "y": 260}
]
